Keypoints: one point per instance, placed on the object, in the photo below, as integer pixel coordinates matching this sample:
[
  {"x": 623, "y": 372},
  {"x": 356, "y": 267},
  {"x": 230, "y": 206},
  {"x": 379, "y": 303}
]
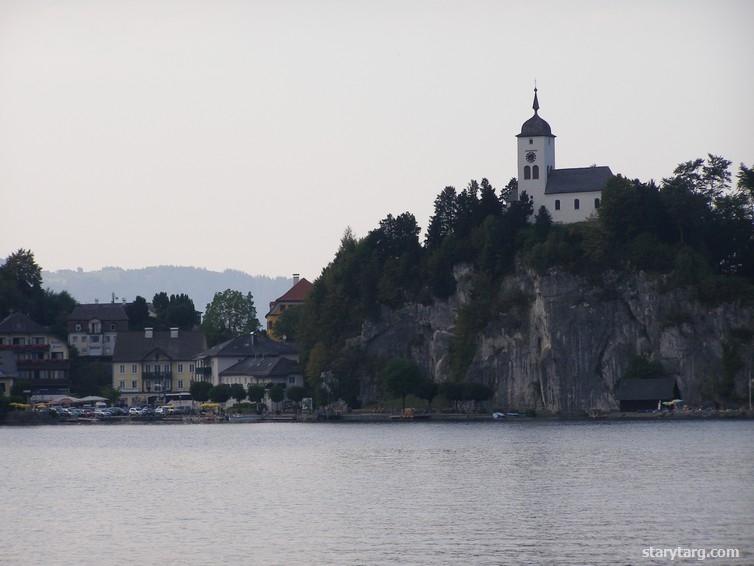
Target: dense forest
[{"x": 695, "y": 229}]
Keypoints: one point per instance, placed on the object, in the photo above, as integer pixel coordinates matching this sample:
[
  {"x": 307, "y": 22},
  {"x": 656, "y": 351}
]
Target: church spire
[{"x": 536, "y": 102}]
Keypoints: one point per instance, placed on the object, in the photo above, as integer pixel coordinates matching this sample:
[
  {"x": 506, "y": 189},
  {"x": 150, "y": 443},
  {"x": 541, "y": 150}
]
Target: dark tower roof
[{"x": 535, "y": 126}]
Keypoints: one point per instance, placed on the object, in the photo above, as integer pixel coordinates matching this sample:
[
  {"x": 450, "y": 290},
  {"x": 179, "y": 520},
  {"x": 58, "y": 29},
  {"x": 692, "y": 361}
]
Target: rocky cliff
[{"x": 564, "y": 348}]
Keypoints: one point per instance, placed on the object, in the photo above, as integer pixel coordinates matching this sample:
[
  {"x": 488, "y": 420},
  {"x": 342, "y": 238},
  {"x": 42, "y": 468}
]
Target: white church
[{"x": 570, "y": 195}]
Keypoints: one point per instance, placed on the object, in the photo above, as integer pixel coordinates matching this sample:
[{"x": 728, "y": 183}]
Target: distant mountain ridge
[{"x": 198, "y": 283}]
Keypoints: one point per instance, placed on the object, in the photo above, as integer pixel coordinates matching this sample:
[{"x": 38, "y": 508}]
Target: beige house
[
  {"x": 93, "y": 328},
  {"x": 155, "y": 366}
]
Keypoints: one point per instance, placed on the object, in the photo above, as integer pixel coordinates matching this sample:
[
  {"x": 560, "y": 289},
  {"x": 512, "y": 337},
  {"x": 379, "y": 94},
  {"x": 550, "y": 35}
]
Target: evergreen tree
[{"x": 442, "y": 222}]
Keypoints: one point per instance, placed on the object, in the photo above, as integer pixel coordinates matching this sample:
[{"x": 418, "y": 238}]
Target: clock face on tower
[{"x": 531, "y": 157}]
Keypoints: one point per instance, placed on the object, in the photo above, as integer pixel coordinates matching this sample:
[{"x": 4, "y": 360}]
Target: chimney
[
  {"x": 96, "y": 301},
  {"x": 295, "y": 278},
  {"x": 148, "y": 332},
  {"x": 174, "y": 333}
]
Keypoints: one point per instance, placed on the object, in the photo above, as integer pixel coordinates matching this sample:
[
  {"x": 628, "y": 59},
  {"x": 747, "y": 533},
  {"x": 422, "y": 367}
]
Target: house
[
  {"x": 41, "y": 357},
  {"x": 569, "y": 195},
  {"x": 646, "y": 394},
  {"x": 268, "y": 371},
  {"x": 93, "y": 328},
  {"x": 294, "y": 297},
  {"x": 8, "y": 372},
  {"x": 211, "y": 364},
  {"x": 152, "y": 366}
]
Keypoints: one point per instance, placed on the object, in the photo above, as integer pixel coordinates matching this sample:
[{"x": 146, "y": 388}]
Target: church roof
[
  {"x": 577, "y": 180},
  {"x": 535, "y": 126}
]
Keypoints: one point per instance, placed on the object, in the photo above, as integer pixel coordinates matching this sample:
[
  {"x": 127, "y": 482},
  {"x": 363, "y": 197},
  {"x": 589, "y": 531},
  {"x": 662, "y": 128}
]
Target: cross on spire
[{"x": 536, "y": 102}]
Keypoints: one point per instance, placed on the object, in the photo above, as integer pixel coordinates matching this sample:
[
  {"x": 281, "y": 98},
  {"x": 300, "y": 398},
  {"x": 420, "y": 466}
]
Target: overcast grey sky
[{"x": 250, "y": 134}]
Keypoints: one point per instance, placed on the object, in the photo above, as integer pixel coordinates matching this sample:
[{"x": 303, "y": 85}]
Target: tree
[
  {"x": 230, "y": 314},
  {"x": 220, "y": 393},
  {"x": 111, "y": 394},
  {"x": 256, "y": 393},
  {"x": 286, "y": 325},
  {"x": 20, "y": 284},
  {"x": 160, "y": 303},
  {"x": 89, "y": 377},
  {"x": 138, "y": 313},
  {"x": 277, "y": 393},
  {"x": 24, "y": 270},
  {"x": 400, "y": 378},
  {"x": 238, "y": 392},
  {"x": 427, "y": 390},
  {"x": 200, "y": 391},
  {"x": 509, "y": 192},
  {"x": 295, "y": 393},
  {"x": 454, "y": 392},
  {"x": 489, "y": 204},
  {"x": 442, "y": 222},
  {"x": 542, "y": 223},
  {"x": 477, "y": 392},
  {"x": 708, "y": 178},
  {"x": 181, "y": 312}
]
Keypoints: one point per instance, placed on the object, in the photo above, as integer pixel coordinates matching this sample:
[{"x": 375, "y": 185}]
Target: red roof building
[{"x": 295, "y": 296}]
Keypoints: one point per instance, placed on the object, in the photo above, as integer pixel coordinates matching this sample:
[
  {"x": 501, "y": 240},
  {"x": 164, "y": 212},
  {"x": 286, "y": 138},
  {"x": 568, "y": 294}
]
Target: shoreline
[{"x": 15, "y": 419}]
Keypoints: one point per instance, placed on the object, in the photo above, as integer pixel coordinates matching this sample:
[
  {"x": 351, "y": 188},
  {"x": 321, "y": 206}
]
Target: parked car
[{"x": 134, "y": 411}]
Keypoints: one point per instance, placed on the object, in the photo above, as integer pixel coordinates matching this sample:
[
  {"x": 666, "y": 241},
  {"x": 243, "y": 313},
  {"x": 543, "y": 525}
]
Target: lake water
[{"x": 401, "y": 493}]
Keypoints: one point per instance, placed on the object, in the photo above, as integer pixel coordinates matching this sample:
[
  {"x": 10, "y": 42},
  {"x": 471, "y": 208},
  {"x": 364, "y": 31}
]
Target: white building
[{"x": 570, "y": 195}]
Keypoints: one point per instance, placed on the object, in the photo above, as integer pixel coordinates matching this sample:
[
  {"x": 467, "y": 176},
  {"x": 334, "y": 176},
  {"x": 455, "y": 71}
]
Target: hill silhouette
[{"x": 198, "y": 283}]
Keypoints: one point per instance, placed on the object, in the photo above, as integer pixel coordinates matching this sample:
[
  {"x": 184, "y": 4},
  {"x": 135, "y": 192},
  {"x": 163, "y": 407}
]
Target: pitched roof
[
  {"x": 100, "y": 311},
  {"x": 262, "y": 367},
  {"x": 297, "y": 293},
  {"x": 19, "y": 323},
  {"x": 577, "y": 180},
  {"x": 134, "y": 346},
  {"x": 8, "y": 364},
  {"x": 656, "y": 389},
  {"x": 244, "y": 345}
]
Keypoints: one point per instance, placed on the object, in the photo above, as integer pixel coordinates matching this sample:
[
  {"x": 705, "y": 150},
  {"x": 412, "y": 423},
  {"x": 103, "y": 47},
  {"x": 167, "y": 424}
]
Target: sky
[{"x": 249, "y": 135}]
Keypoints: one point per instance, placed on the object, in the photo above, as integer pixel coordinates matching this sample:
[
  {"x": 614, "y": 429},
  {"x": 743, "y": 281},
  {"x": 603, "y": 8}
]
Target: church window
[
  {"x": 557, "y": 204},
  {"x": 535, "y": 172},
  {"x": 527, "y": 172},
  {"x": 596, "y": 203},
  {"x": 576, "y": 204}
]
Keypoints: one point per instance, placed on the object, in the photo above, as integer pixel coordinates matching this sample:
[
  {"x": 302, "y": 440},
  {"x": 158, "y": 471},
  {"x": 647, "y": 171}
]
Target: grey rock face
[{"x": 566, "y": 351}]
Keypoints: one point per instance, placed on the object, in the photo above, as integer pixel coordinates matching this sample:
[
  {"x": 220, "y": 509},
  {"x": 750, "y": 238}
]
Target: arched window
[
  {"x": 596, "y": 203},
  {"x": 557, "y": 204},
  {"x": 576, "y": 204},
  {"x": 527, "y": 172},
  {"x": 535, "y": 172}
]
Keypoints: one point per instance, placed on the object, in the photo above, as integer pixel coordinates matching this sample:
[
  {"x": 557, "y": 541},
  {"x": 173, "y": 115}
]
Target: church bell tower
[{"x": 536, "y": 156}]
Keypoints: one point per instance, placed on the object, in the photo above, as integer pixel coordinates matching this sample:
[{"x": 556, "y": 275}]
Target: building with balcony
[
  {"x": 41, "y": 357},
  {"x": 233, "y": 358},
  {"x": 8, "y": 372},
  {"x": 149, "y": 365},
  {"x": 294, "y": 297},
  {"x": 93, "y": 328}
]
